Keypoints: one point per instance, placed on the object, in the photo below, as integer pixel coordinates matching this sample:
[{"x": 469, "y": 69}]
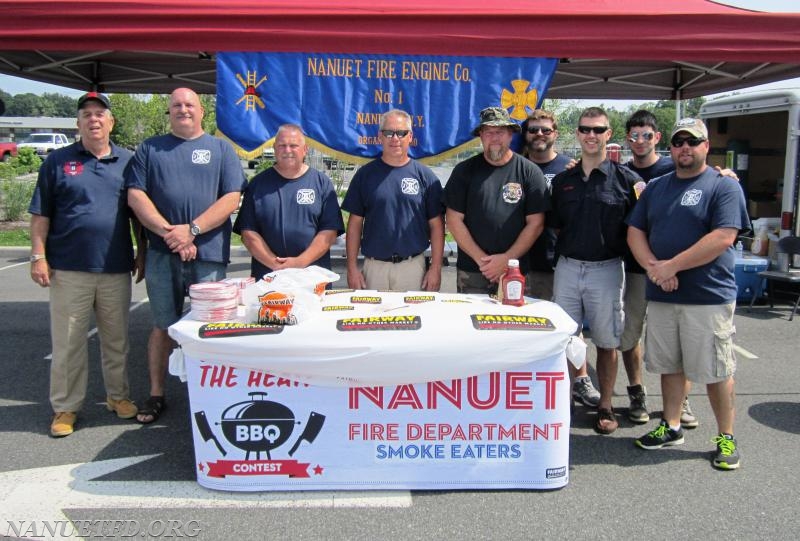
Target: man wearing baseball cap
[
  {"x": 495, "y": 206},
  {"x": 81, "y": 250},
  {"x": 682, "y": 232}
]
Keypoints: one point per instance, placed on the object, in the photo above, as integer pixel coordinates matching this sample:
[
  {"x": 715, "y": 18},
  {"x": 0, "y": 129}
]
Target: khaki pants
[
  {"x": 404, "y": 276},
  {"x": 73, "y": 298}
]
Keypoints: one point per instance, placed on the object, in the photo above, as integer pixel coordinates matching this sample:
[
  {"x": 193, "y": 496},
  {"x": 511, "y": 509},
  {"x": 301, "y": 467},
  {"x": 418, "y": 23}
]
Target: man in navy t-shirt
[
  {"x": 682, "y": 232},
  {"x": 290, "y": 215},
  {"x": 81, "y": 249},
  {"x": 183, "y": 187},
  {"x": 395, "y": 214}
]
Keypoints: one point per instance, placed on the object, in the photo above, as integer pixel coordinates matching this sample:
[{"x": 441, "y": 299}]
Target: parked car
[
  {"x": 44, "y": 143},
  {"x": 7, "y": 150}
]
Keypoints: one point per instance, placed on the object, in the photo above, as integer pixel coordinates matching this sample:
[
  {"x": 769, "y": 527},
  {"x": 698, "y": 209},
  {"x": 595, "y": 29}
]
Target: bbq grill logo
[
  {"x": 498, "y": 322},
  {"x": 380, "y": 323},
  {"x": 258, "y": 426}
]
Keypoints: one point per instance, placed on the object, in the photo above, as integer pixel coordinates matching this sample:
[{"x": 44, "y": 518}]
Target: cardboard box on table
[{"x": 383, "y": 391}]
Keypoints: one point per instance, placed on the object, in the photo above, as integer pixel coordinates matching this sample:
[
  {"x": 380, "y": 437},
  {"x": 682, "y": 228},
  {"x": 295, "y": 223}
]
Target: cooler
[{"x": 748, "y": 281}]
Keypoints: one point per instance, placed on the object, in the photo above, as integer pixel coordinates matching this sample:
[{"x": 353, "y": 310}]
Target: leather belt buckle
[{"x": 397, "y": 259}]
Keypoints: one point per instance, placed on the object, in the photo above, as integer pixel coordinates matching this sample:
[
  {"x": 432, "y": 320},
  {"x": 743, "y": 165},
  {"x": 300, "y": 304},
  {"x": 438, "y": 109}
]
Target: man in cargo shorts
[{"x": 682, "y": 232}]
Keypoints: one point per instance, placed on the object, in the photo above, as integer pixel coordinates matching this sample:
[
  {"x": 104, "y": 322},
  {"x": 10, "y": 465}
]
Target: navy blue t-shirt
[
  {"x": 289, "y": 213},
  {"x": 661, "y": 167},
  {"x": 183, "y": 178},
  {"x": 85, "y": 200},
  {"x": 675, "y": 214},
  {"x": 542, "y": 254},
  {"x": 396, "y": 204},
  {"x": 495, "y": 202}
]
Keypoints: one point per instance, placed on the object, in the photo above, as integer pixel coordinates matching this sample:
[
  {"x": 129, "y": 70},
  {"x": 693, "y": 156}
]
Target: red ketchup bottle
[{"x": 513, "y": 285}]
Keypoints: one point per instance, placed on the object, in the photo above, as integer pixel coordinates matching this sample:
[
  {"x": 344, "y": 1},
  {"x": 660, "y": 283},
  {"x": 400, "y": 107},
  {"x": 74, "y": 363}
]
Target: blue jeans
[{"x": 168, "y": 280}]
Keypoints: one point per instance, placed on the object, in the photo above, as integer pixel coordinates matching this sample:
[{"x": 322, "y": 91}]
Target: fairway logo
[
  {"x": 555, "y": 473},
  {"x": 224, "y": 330},
  {"x": 380, "y": 323},
  {"x": 498, "y": 322},
  {"x": 201, "y": 157}
]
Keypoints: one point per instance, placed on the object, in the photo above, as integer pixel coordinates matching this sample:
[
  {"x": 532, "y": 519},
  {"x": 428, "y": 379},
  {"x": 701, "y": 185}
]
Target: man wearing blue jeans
[
  {"x": 590, "y": 203},
  {"x": 183, "y": 187}
]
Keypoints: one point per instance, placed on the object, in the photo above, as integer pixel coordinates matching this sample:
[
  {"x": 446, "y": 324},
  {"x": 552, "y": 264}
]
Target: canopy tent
[{"x": 660, "y": 49}]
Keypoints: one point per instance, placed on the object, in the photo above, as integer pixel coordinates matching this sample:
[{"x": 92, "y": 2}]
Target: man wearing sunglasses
[
  {"x": 590, "y": 202},
  {"x": 395, "y": 214},
  {"x": 495, "y": 202},
  {"x": 682, "y": 232},
  {"x": 539, "y": 134}
]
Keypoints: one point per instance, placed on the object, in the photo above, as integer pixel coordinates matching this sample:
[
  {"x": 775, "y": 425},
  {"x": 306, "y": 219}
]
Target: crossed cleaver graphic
[{"x": 310, "y": 432}]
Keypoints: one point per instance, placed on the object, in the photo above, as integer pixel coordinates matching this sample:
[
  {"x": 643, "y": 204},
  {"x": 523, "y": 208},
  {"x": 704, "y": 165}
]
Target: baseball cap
[
  {"x": 94, "y": 96},
  {"x": 692, "y": 126},
  {"x": 495, "y": 116}
]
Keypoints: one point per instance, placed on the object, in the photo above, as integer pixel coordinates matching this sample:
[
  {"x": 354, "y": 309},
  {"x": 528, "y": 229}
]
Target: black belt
[{"x": 396, "y": 258}]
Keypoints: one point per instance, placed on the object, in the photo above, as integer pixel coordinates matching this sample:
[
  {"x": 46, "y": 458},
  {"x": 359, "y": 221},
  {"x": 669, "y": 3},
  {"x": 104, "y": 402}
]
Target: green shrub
[
  {"x": 27, "y": 161},
  {"x": 16, "y": 198}
]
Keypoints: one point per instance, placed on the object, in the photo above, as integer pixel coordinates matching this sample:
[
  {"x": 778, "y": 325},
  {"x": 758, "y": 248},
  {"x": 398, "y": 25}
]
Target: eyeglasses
[
  {"x": 598, "y": 130},
  {"x": 391, "y": 133},
  {"x": 645, "y": 135},
  {"x": 677, "y": 142},
  {"x": 539, "y": 129}
]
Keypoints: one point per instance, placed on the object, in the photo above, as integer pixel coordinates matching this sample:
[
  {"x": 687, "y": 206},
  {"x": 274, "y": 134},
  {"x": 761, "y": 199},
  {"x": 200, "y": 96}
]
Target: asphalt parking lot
[{"x": 111, "y": 469}]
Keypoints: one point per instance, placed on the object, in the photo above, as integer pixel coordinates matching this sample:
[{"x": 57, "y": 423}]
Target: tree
[
  {"x": 30, "y": 105},
  {"x": 63, "y": 106}
]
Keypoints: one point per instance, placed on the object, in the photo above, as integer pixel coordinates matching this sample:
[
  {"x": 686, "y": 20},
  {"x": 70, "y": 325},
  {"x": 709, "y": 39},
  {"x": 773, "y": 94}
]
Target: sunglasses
[
  {"x": 677, "y": 142},
  {"x": 597, "y": 130},
  {"x": 540, "y": 129},
  {"x": 391, "y": 133},
  {"x": 645, "y": 135}
]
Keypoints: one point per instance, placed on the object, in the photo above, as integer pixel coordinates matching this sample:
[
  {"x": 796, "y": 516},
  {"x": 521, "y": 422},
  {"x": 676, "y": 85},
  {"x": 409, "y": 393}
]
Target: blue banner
[{"x": 338, "y": 98}]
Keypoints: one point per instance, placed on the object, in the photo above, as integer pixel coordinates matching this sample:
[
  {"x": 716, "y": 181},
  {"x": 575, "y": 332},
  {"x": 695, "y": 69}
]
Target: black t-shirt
[{"x": 495, "y": 202}]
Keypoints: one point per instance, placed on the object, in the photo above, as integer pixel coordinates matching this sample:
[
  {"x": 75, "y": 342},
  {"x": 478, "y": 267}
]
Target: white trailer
[{"x": 756, "y": 134}]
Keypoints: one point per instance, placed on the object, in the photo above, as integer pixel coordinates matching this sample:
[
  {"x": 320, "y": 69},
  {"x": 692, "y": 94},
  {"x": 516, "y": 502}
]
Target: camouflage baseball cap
[
  {"x": 692, "y": 126},
  {"x": 495, "y": 116}
]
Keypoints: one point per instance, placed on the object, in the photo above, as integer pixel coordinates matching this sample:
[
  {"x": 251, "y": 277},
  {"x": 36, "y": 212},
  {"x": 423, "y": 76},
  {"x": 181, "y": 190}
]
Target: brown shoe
[
  {"x": 125, "y": 409},
  {"x": 606, "y": 421},
  {"x": 63, "y": 424}
]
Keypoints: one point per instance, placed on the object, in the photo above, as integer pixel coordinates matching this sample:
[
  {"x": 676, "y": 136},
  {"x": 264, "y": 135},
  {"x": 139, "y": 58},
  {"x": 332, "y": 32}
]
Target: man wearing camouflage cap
[{"x": 495, "y": 206}]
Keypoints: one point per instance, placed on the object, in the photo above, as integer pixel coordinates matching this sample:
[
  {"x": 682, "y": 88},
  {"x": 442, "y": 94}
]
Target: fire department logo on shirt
[
  {"x": 409, "y": 186},
  {"x": 691, "y": 198},
  {"x": 201, "y": 157},
  {"x": 73, "y": 168},
  {"x": 512, "y": 192},
  {"x": 306, "y": 197}
]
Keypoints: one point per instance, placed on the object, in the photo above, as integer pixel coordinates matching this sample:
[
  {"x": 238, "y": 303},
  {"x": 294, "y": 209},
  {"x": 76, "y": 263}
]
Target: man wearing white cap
[{"x": 682, "y": 232}]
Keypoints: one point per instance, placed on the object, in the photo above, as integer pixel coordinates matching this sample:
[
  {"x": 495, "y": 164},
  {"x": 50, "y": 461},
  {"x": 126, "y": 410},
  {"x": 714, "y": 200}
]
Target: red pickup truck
[{"x": 7, "y": 151}]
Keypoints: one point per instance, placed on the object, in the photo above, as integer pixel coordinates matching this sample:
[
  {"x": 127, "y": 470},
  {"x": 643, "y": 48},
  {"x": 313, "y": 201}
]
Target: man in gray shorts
[
  {"x": 590, "y": 203},
  {"x": 682, "y": 232}
]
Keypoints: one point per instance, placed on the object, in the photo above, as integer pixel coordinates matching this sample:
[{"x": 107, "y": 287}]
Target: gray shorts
[
  {"x": 592, "y": 291},
  {"x": 168, "y": 280},
  {"x": 474, "y": 282},
  {"x": 635, "y": 310},
  {"x": 694, "y": 339}
]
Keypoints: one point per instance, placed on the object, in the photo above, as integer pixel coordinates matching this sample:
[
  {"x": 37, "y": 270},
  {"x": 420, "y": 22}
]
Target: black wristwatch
[{"x": 194, "y": 229}]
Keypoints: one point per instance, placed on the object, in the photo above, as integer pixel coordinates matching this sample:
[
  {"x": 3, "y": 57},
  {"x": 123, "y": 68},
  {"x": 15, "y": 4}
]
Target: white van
[{"x": 756, "y": 134}]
